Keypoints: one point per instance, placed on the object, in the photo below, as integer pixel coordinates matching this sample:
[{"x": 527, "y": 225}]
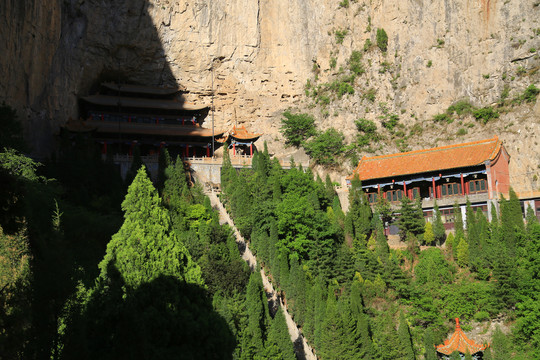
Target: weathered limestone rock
[{"x": 256, "y": 57}]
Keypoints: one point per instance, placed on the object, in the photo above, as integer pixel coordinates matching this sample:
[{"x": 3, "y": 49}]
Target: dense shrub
[
  {"x": 355, "y": 63},
  {"x": 461, "y": 107}
]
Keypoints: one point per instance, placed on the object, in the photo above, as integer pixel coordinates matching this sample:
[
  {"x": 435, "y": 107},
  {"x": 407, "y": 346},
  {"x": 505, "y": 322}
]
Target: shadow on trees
[{"x": 162, "y": 319}]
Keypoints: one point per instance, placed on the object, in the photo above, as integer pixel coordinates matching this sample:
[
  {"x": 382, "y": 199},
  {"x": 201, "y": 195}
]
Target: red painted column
[
  {"x": 234, "y": 149},
  {"x": 208, "y": 151},
  {"x": 131, "y": 148},
  {"x": 251, "y": 150},
  {"x": 462, "y": 185},
  {"x": 379, "y": 189},
  {"x": 433, "y": 187},
  {"x": 405, "y": 190},
  {"x": 183, "y": 121},
  {"x": 101, "y": 117},
  {"x": 187, "y": 150},
  {"x": 467, "y": 188}
]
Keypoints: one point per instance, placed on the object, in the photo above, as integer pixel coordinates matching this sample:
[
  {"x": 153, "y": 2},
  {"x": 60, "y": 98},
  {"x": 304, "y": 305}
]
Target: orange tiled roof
[
  {"x": 241, "y": 133},
  {"x": 427, "y": 160},
  {"x": 459, "y": 342}
]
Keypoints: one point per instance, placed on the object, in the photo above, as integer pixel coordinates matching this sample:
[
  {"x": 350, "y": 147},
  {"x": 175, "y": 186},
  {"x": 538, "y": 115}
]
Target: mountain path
[{"x": 302, "y": 349}]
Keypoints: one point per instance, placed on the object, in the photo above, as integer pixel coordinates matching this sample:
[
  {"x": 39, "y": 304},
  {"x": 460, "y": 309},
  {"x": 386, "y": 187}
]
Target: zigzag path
[{"x": 301, "y": 347}]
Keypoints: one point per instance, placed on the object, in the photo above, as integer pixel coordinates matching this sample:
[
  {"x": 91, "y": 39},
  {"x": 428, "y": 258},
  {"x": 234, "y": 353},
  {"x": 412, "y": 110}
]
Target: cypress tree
[
  {"x": 429, "y": 236},
  {"x": 462, "y": 253},
  {"x": 405, "y": 340},
  {"x": 429, "y": 345},
  {"x": 531, "y": 219},
  {"x": 145, "y": 247},
  {"x": 279, "y": 345},
  {"x": 329, "y": 187},
  {"x": 411, "y": 219},
  {"x": 358, "y": 219},
  {"x": 253, "y": 336},
  {"x": 439, "y": 232},
  {"x": 487, "y": 354},
  {"x": 164, "y": 161},
  {"x": 458, "y": 222},
  {"x": 362, "y": 332}
]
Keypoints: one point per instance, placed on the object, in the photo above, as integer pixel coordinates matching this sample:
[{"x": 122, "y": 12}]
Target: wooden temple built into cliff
[
  {"x": 475, "y": 171},
  {"x": 460, "y": 343},
  {"x": 125, "y": 117}
]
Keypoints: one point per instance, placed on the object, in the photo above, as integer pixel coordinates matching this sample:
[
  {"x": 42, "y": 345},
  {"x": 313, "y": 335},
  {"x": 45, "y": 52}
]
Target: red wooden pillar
[
  {"x": 101, "y": 117},
  {"x": 251, "y": 150},
  {"x": 439, "y": 193},
  {"x": 462, "y": 185},
  {"x": 208, "y": 151},
  {"x": 379, "y": 189},
  {"x": 434, "y": 190},
  {"x": 183, "y": 121},
  {"x": 467, "y": 188},
  {"x": 131, "y": 148},
  {"x": 234, "y": 149},
  {"x": 187, "y": 150},
  {"x": 405, "y": 190},
  {"x": 157, "y": 121}
]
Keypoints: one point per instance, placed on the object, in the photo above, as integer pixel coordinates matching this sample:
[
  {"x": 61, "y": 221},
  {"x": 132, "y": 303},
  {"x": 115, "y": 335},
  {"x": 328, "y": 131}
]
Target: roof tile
[{"x": 428, "y": 160}]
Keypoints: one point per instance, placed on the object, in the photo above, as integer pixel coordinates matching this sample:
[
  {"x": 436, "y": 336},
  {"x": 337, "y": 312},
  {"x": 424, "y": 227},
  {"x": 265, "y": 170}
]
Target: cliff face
[{"x": 258, "y": 56}]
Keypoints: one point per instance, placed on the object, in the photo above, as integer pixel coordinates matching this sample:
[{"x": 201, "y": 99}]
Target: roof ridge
[{"x": 438, "y": 148}]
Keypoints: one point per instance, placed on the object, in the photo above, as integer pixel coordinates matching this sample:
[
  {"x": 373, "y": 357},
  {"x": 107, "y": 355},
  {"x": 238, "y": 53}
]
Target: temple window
[
  {"x": 394, "y": 195},
  {"x": 477, "y": 186},
  {"x": 372, "y": 198},
  {"x": 451, "y": 189}
]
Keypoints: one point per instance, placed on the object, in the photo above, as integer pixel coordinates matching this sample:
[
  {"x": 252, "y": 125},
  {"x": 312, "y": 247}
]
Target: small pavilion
[
  {"x": 461, "y": 343},
  {"x": 241, "y": 140}
]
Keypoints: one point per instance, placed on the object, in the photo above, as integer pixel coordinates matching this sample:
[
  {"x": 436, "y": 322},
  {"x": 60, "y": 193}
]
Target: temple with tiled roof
[
  {"x": 462, "y": 344},
  {"x": 123, "y": 116},
  {"x": 475, "y": 171}
]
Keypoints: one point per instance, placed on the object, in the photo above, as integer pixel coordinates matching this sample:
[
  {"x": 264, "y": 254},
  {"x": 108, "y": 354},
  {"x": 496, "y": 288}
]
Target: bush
[
  {"x": 530, "y": 94},
  {"x": 370, "y": 94},
  {"x": 462, "y": 107},
  {"x": 326, "y": 146},
  {"x": 485, "y": 114},
  {"x": 367, "y": 44},
  {"x": 297, "y": 128},
  {"x": 340, "y": 35},
  {"x": 366, "y": 126},
  {"x": 344, "y": 4},
  {"x": 390, "y": 122},
  {"x": 443, "y": 118},
  {"x": 382, "y": 40},
  {"x": 355, "y": 63}
]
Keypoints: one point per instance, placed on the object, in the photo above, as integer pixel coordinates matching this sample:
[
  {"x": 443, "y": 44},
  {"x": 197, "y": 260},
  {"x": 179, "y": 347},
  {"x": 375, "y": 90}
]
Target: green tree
[
  {"x": 279, "y": 346},
  {"x": 458, "y": 222},
  {"x": 411, "y": 219},
  {"x": 145, "y": 247},
  {"x": 429, "y": 237},
  {"x": 463, "y": 253},
  {"x": 326, "y": 147},
  {"x": 254, "y": 334},
  {"x": 439, "y": 231},
  {"x": 429, "y": 346},
  {"x": 405, "y": 339},
  {"x": 297, "y": 128},
  {"x": 358, "y": 219}
]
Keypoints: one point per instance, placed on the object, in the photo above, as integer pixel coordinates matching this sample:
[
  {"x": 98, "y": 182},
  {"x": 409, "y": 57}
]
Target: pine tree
[
  {"x": 176, "y": 194},
  {"x": 362, "y": 332},
  {"x": 145, "y": 247},
  {"x": 439, "y": 232},
  {"x": 487, "y": 354}
]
